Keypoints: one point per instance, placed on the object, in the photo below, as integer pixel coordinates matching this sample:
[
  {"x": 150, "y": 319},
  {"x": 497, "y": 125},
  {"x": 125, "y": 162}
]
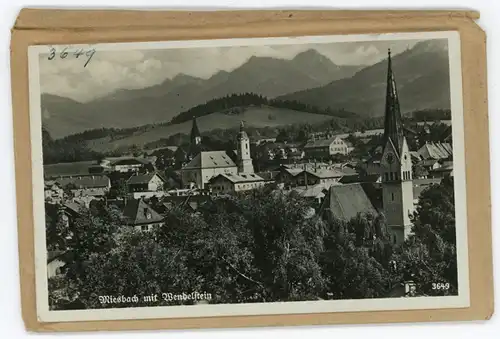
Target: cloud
[
  {"x": 367, "y": 51},
  {"x": 109, "y": 71}
]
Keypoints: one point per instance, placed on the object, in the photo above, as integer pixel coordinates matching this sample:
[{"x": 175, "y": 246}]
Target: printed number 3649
[{"x": 440, "y": 286}]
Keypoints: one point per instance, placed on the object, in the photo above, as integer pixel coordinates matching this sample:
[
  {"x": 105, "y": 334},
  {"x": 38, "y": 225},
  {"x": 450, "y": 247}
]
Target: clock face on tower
[{"x": 390, "y": 158}]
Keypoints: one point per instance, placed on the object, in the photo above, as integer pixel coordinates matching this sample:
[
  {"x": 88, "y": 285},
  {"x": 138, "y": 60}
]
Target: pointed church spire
[
  {"x": 242, "y": 126},
  {"x": 393, "y": 127},
  {"x": 195, "y": 133}
]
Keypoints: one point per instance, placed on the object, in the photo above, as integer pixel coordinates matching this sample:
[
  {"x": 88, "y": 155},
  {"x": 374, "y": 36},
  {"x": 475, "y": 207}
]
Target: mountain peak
[
  {"x": 311, "y": 55},
  {"x": 433, "y": 46},
  {"x": 184, "y": 77}
]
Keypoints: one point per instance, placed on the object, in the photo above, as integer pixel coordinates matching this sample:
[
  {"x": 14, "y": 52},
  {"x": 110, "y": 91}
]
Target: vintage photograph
[{"x": 248, "y": 176}]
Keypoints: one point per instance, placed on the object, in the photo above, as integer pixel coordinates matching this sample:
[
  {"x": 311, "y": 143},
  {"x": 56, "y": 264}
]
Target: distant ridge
[
  {"x": 422, "y": 77},
  {"x": 124, "y": 108}
]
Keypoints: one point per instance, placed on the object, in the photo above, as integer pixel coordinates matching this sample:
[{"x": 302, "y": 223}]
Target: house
[
  {"x": 445, "y": 169},
  {"x": 227, "y": 183},
  {"x": 345, "y": 202},
  {"x": 429, "y": 164},
  {"x": 56, "y": 262},
  {"x": 263, "y": 140},
  {"x": 436, "y": 151},
  {"x": 189, "y": 203},
  {"x": 140, "y": 215},
  {"x": 148, "y": 184},
  {"x": 269, "y": 176},
  {"x": 349, "y": 174},
  {"x": 326, "y": 148},
  {"x": 315, "y": 193},
  {"x": 86, "y": 185},
  {"x": 53, "y": 192},
  {"x": 326, "y": 177},
  {"x": 125, "y": 164},
  {"x": 287, "y": 175},
  {"x": 65, "y": 213},
  {"x": 350, "y": 146},
  {"x": 308, "y": 176},
  {"x": 419, "y": 185},
  {"x": 206, "y": 165}
]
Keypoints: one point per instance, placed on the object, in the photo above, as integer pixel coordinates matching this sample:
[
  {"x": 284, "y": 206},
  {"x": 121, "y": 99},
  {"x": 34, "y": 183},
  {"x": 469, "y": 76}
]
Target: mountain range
[
  {"x": 123, "y": 108},
  {"x": 422, "y": 78}
]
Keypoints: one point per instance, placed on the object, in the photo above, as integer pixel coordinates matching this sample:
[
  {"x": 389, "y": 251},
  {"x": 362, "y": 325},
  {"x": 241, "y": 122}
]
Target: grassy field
[
  {"x": 252, "y": 116},
  {"x": 71, "y": 168}
]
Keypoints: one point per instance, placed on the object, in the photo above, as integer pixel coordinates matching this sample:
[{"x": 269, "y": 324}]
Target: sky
[{"x": 109, "y": 71}]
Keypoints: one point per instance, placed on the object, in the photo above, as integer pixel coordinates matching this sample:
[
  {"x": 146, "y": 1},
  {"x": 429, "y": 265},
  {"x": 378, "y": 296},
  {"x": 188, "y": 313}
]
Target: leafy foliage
[
  {"x": 62, "y": 150},
  {"x": 429, "y": 255},
  {"x": 262, "y": 245},
  {"x": 259, "y": 246}
]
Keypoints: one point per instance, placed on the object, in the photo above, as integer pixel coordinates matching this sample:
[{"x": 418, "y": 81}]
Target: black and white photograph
[{"x": 248, "y": 176}]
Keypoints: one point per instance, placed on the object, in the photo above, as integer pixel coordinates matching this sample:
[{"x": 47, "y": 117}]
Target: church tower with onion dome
[
  {"x": 396, "y": 165},
  {"x": 244, "y": 162}
]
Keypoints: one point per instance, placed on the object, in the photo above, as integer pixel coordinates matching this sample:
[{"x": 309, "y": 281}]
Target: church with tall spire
[
  {"x": 195, "y": 134},
  {"x": 396, "y": 165},
  {"x": 216, "y": 169}
]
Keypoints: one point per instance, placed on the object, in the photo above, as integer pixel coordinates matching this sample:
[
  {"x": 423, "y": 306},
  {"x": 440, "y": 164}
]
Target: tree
[
  {"x": 286, "y": 245},
  {"x": 303, "y": 135},
  {"x": 56, "y": 229},
  {"x": 283, "y": 136},
  {"x": 120, "y": 188},
  {"x": 350, "y": 271},
  {"x": 429, "y": 255},
  {"x": 136, "y": 267},
  {"x": 93, "y": 232},
  {"x": 419, "y": 171},
  {"x": 180, "y": 157}
]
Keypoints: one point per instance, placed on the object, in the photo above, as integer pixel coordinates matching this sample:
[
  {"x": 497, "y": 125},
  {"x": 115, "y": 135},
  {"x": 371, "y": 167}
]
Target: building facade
[
  {"x": 230, "y": 183},
  {"x": 210, "y": 164},
  {"x": 86, "y": 185},
  {"x": 150, "y": 182},
  {"x": 206, "y": 165},
  {"x": 138, "y": 214},
  {"x": 124, "y": 164},
  {"x": 245, "y": 164},
  {"x": 396, "y": 165},
  {"x": 326, "y": 148}
]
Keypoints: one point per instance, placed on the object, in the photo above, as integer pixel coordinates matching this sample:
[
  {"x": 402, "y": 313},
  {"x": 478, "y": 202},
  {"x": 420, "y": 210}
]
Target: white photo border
[{"x": 462, "y": 300}]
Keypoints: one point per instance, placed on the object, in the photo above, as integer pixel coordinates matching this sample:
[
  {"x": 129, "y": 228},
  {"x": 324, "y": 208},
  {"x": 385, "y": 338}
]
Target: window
[
  {"x": 392, "y": 196},
  {"x": 144, "y": 228}
]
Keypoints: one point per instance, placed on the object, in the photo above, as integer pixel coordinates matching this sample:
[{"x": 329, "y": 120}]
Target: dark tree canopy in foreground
[
  {"x": 429, "y": 256},
  {"x": 257, "y": 246}
]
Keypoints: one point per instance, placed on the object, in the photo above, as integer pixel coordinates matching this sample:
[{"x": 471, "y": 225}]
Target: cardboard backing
[{"x": 47, "y": 26}]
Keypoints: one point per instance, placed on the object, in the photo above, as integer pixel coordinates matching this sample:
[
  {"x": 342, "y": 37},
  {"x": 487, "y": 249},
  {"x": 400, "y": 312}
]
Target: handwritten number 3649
[{"x": 63, "y": 54}]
